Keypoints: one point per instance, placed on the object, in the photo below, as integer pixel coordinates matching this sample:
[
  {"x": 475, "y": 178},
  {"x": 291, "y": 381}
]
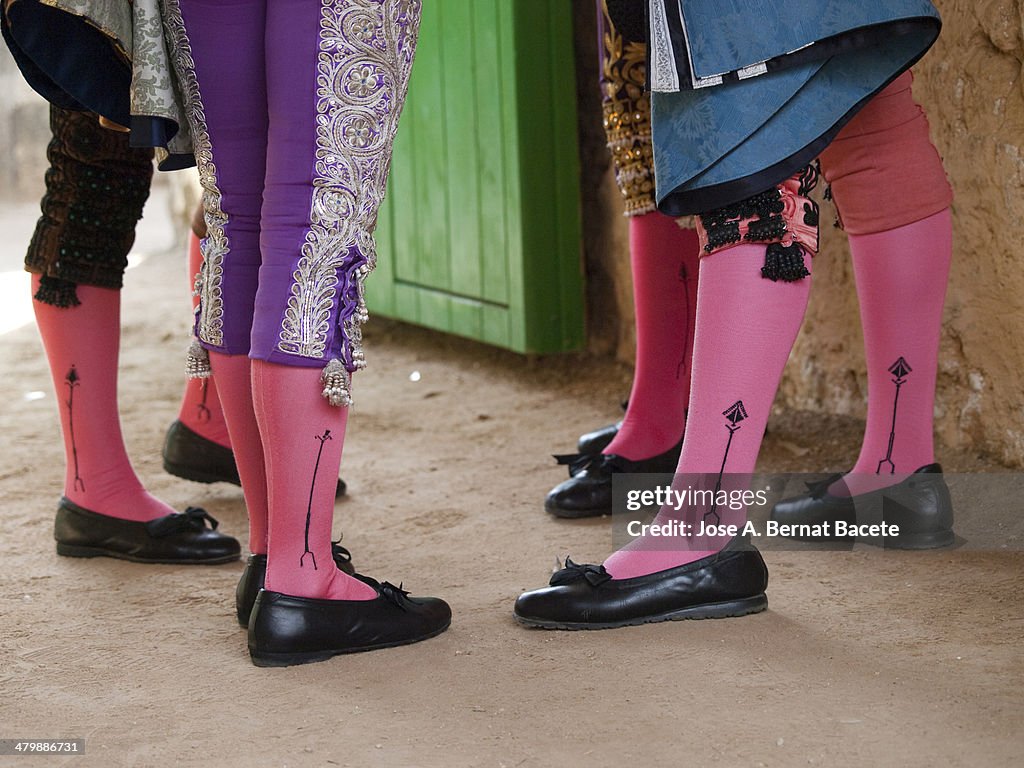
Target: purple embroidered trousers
[{"x": 294, "y": 106}]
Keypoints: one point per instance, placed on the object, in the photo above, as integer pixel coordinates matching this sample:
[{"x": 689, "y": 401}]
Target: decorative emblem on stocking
[
  {"x": 203, "y": 413},
  {"x": 735, "y": 413},
  {"x": 309, "y": 507},
  {"x": 73, "y": 380},
  {"x": 899, "y": 369},
  {"x": 684, "y": 278}
]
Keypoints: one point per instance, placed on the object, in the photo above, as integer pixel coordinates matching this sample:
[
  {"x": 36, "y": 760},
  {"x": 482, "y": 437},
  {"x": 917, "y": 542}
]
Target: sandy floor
[{"x": 866, "y": 658}]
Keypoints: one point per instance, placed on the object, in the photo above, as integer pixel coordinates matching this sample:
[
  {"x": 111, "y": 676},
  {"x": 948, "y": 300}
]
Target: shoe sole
[
  {"x": 723, "y": 610},
  {"x": 575, "y": 514},
  {"x": 261, "y": 659},
  {"x": 74, "y": 550},
  {"x": 197, "y": 475}
]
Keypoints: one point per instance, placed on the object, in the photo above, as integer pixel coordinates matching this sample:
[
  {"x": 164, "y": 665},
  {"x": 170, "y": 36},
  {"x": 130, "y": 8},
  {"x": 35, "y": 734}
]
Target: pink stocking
[
  {"x": 200, "y": 406},
  {"x": 235, "y": 375},
  {"x": 81, "y": 345},
  {"x": 893, "y": 198},
  {"x": 745, "y": 329},
  {"x": 664, "y": 261},
  {"x": 303, "y": 438},
  {"x": 901, "y": 285}
]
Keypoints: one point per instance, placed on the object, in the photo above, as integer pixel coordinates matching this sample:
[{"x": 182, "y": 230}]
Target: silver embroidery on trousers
[
  {"x": 365, "y": 57},
  {"x": 215, "y": 245}
]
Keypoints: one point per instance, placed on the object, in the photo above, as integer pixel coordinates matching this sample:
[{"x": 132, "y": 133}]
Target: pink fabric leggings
[{"x": 883, "y": 169}]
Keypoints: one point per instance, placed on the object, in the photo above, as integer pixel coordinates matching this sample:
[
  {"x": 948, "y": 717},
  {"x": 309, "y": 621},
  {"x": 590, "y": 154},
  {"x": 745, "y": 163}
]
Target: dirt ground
[{"x": 865, "y": 658}]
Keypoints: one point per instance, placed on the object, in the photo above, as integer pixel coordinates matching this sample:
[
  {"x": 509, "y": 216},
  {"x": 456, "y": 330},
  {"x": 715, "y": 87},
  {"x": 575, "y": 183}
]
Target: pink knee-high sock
[
  {"x": 664, "y": 259},
  {"x": 200, "y": 405},
  {"x": 303, "y": 437},
  {"x": 746, "y": 326},
  {"x": 901, "y": 277},
  {"x": 234, "y": 372},
  {"x": 82, "y": 349}
]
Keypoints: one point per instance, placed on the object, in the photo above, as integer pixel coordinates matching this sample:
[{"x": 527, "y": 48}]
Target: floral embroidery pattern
[
  {"x": 627, "y": 116},
  {"x": 154, "y": 91},
  {"x": 365, "y": 57}
]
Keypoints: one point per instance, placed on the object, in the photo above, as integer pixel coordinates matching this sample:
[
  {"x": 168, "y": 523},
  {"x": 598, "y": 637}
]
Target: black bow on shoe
[
  {"x": 595, "y": 575},
  {"x": 396, "y": 595},
  {"x": 577, "y": 462},
  {"x": 192, "y": 519},
  {"x": 342, "y": 557}
]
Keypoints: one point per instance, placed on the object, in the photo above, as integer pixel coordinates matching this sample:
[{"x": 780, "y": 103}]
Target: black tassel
[
  {"x": 57, "y": 292},
  {"x": 784, "y": 263}
]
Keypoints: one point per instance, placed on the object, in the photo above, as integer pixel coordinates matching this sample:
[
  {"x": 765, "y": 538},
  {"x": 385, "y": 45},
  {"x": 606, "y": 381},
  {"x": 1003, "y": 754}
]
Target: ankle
[
  {"x": 127, "y": 503},
  {"x": 864, "y": 479},
  {"x": 642, "y": 441},
  {"x": 325, "y": 582}
]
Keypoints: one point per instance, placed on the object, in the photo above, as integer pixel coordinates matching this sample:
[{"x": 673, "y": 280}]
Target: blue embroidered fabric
[{"x": 718, "y": 144}]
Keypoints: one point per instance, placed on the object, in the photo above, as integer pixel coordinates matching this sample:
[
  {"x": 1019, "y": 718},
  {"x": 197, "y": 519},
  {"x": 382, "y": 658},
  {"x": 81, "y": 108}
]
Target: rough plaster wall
[{"x": 972, "y": 86}]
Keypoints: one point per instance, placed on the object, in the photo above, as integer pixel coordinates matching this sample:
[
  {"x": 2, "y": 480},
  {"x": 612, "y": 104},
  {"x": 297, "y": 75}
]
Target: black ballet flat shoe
[
  {"x": 286, "y": 630},
  {"x": 588, "y": 491},
  {"x": 592, "y": 443},
  {"x": 728, "y": 583},
  {"x": 255, "y": 576},
  {"x": 182, "y": 538},
  {"x": 191, "y": 456},
  {"x": 920, "y": 505},
  {"x": 249, "y": 585}
]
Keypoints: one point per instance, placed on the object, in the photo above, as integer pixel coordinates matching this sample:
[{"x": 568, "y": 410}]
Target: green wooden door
[{"x": 480, "y": 232}]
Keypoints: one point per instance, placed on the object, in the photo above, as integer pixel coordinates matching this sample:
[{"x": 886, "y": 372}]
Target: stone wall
[{"x": 972, "y": 86}]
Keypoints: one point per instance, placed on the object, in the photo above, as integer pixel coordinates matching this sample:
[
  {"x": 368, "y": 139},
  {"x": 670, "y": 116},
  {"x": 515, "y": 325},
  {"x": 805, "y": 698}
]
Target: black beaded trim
[
  {"x": 763, "y": 211},
  {"x": 765, "y": 230},
  {"x": 723, "y": 233}
]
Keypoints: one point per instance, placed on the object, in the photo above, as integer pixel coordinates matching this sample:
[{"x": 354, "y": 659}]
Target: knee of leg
[{"x": 883, "y": 170}]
